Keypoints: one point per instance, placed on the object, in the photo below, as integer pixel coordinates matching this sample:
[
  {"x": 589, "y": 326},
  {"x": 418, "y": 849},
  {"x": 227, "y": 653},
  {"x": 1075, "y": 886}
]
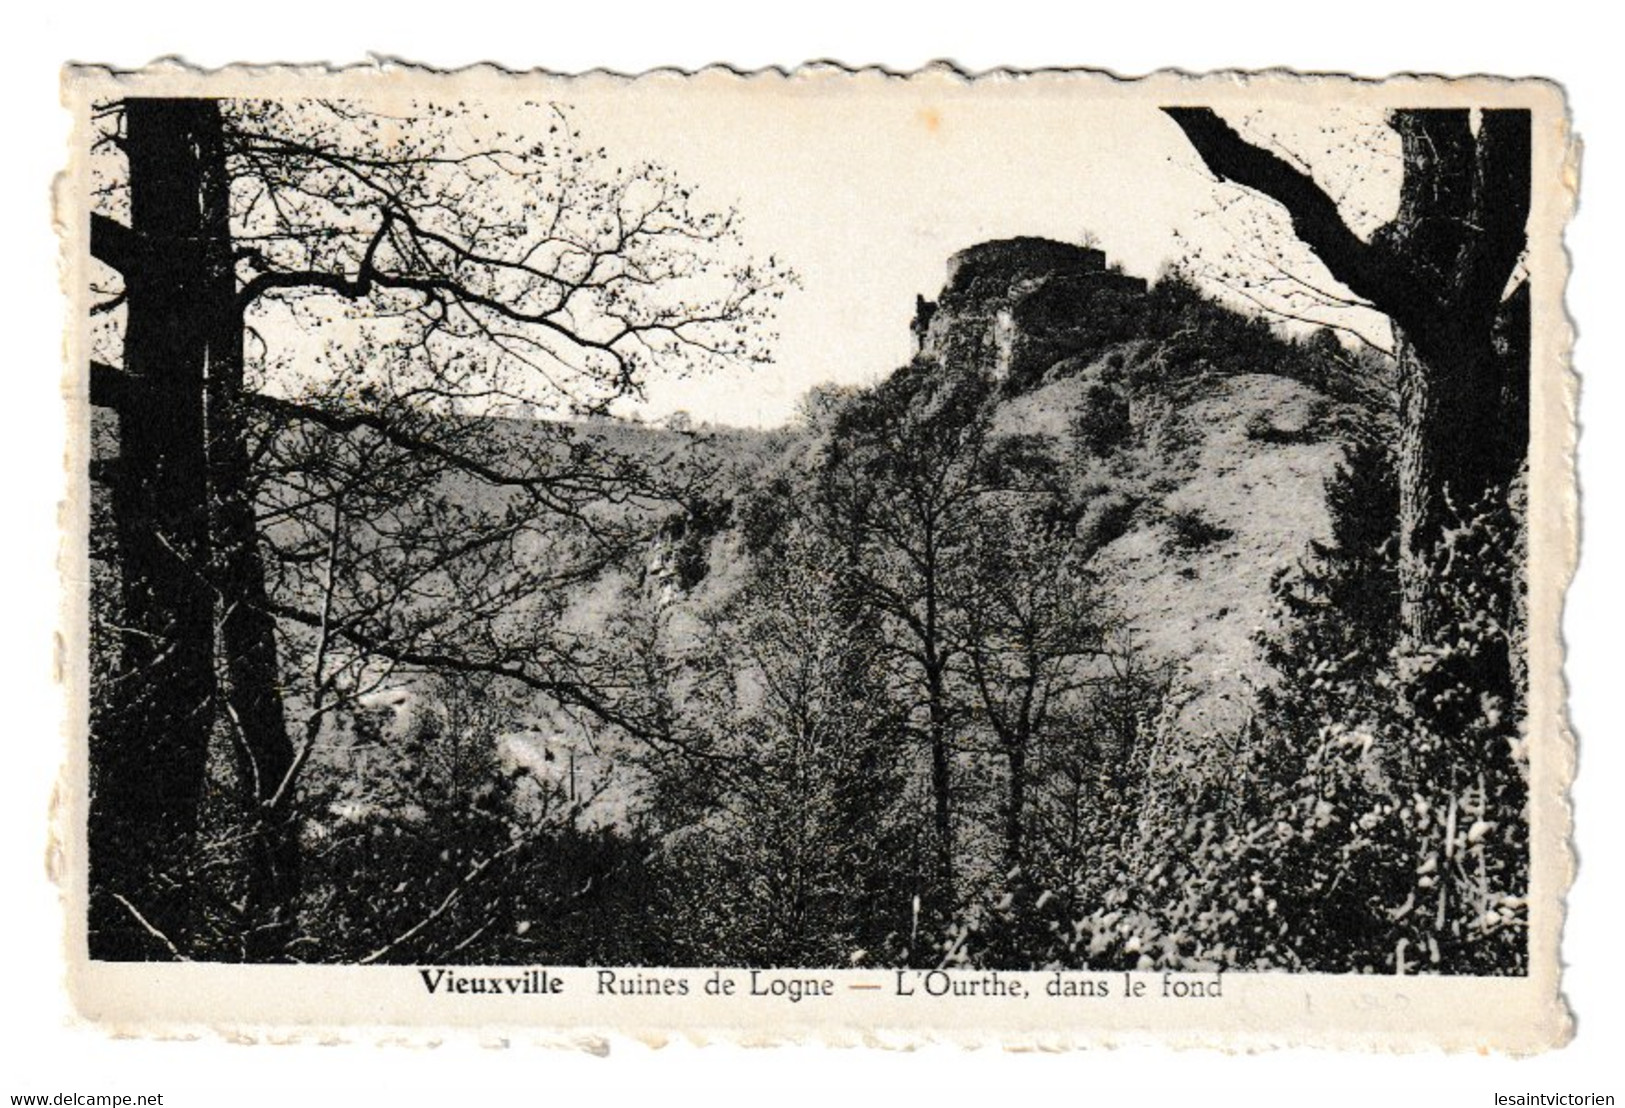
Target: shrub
[
  {"x": 1101, "y": 422},
  {"x": 1106, "y": 519},
  {"x": 1262, "y": 427},
  {"x": 765, "y": 515},
  {"x": 1189, "y": 531}
]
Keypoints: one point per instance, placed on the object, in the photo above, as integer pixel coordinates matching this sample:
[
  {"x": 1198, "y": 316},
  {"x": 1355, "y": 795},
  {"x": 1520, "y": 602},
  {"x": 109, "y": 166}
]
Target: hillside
[
  {"x": 1193, "y": 443},
  {"x": 1082, "y": 486},
  {"x": 1200, "y": 441}
]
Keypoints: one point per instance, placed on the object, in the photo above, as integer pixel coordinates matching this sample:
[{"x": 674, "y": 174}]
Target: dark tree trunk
[
  {"x": 937, "y": 722},
  {"x": 1440, "y": 271},
  {"x": 1015, "y": 813},
  {"x": 1452, "y": 455},
  {"x": 192, "y": 584},
  {"x": 247, "y": 650},
  {"x": 941, "y": 787},
  {"x": 1455, "y": 406},
  {"x": 150, "y": 751}
]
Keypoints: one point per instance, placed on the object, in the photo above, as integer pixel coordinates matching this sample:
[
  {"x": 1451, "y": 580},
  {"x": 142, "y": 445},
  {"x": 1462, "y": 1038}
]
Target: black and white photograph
[
  {"x": 1000, "y": 553},
  {"x": 931, "y": 526}
]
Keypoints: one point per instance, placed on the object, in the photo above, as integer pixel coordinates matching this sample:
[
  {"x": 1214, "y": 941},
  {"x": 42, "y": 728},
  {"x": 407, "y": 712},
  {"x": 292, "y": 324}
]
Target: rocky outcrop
[
  {"x": 1008, "y": 305},
  {"x": 1197, "y": 441},
  {"x": 1004, "y": 261}
]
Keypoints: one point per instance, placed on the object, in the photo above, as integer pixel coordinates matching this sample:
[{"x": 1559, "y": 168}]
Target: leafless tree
[
  {"x": 1032, "y": 626},
  {"x": 280, "y": 273}
]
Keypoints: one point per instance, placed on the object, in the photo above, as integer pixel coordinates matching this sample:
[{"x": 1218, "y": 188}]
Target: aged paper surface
[{"x": 1036, "y": 559}]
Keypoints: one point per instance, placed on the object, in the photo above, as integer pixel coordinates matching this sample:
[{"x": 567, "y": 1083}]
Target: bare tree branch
[
  {"x": 113, "y": 243},
  {"x": 1314, "y": 214}
]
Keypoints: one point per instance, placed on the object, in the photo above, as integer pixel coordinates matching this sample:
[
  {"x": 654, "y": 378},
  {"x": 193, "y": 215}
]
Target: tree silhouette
[
  {"x": 1032, "y": 622},
  {"x": 1445, "y": 271},
  {"x": 282, "y": 271},
  {"x": 902, "y": 474}
]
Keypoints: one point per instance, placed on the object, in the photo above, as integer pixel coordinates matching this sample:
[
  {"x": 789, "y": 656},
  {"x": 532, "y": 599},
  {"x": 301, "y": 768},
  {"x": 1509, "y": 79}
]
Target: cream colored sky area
[{"x": 866, "y": 186}]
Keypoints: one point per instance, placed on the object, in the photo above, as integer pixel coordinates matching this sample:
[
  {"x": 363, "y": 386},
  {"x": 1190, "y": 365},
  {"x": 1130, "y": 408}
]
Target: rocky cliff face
[
  {"x": 1008, "y": 304},
  {"x": 1201, "y": 441}
]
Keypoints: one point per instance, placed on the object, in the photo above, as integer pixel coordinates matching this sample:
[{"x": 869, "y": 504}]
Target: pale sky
[{"x": 866, "y": 186}]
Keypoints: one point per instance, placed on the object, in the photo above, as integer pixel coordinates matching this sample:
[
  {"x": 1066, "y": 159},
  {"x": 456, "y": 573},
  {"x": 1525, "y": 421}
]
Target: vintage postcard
[{"x": 1030, "y": 558}]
